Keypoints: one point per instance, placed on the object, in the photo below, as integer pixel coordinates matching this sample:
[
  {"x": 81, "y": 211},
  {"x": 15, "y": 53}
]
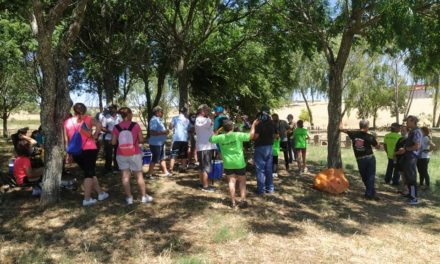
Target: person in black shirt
[
  {"x": 399, "y": 154},
  {"x": 264, "y": 137},
  {"x": 363, "y": 151}
]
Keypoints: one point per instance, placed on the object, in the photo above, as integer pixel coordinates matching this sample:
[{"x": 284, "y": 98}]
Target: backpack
[
  {"x": 125, "y": 140},
  {"x": 75, "y": 144}
]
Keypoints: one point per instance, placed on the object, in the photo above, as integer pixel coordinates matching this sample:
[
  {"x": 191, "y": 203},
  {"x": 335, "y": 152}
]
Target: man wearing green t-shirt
[
  {"x": 300, "y": 135},
  {"x": 234, "y": 164},
  {"x": 390, "y": 141}
]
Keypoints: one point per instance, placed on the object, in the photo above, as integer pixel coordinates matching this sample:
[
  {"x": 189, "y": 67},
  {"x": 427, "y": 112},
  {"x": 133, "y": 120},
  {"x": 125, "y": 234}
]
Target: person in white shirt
[
  {"x": 180, "y": 126},
  {"x": 205, "y": 149},
  {"x": 109, "y": 121}
]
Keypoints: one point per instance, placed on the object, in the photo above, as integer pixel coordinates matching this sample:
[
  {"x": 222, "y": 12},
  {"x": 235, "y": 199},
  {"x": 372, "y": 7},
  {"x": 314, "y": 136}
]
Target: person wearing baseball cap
[{"x": 392, "y": 174}]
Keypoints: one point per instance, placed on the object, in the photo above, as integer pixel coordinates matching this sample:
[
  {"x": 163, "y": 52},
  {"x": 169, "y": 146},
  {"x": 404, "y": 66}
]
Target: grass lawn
[{"x": 297, "y": 224}]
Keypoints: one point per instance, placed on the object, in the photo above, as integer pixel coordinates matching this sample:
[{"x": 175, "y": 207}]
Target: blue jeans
[
  {"x": 393, "y": 172},
  {"x": 263, "y": 165},
  {"x": 367, "y": 169}
]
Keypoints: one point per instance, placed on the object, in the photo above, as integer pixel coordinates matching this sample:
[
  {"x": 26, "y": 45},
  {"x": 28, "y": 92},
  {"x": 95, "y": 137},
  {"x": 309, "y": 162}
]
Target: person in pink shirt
[
  {"x": 87, "y": 159},
  {"x": 127, "y": 135}
]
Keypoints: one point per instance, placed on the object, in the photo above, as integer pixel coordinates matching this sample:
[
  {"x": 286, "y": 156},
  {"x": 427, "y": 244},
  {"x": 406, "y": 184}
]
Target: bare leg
[
  {"x": 303, "y": 156},
  {"x": 151, "y": 168},
  {"x": 204, "y": 179},
  {"x": 96, "y": 186},
  {"x": 163, "y": 165},
  {"x": 172, "y": 162},
  {"x": 126, "y": 182},
  {"x": 88, "y": 187},
  {"x": 141, "y": 182},
  {"x": 232, "y": 182},
  {"x": 242, "y": 186},
  {"x": 298, "y": 160}
]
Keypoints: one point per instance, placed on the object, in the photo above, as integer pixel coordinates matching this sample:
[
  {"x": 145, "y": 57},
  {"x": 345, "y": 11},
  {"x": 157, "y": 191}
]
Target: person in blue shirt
[
  {"x": 180, "y": 125},
  {"x": 158, "y": 136}
]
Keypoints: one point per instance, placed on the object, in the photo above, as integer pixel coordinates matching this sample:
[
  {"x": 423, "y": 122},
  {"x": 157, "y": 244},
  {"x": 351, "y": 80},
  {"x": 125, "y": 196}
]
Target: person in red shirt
[{"x": 24, "y": 174}]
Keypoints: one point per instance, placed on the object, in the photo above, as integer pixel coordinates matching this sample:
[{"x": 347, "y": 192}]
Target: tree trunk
[
  {"x": 437, "y": 88},
  {"x": 308, "y": 107},
  {"x": 182, "y": 76},
  {"x": 334, "y": 117},
  {"x": 55, "y": 95},
  {"x": 396, "y": 93},
  {"x": 111, "y": 84},
  {"x": 5, "y": 123},
  {"x": 99, "y": 91}
]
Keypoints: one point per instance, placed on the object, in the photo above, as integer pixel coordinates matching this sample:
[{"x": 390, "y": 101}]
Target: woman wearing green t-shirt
[
  {"x": 301, "y": 136},
  {"x": 231, "y": 146}
]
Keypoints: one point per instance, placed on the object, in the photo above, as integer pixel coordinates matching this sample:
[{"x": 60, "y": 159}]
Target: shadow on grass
[{"x": 112, "y": 225}]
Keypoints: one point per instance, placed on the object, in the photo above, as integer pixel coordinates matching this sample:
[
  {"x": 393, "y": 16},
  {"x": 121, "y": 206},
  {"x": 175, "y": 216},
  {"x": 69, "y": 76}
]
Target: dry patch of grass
[{"x": 297, "y": 224}]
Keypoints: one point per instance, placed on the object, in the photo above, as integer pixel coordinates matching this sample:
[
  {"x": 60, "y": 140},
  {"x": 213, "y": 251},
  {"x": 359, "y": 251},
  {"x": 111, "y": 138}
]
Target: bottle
[{"x": 11, "y": 166}]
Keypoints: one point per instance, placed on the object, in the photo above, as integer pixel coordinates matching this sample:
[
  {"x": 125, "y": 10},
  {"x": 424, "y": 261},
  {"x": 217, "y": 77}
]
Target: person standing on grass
[
  {"x": 205, "y": 149},
  {"x": 87, "y": 159},
  {"x": 290, "y": 139},
  {"x": 281, "y": 126},
  {"x": 300, "y": 136},
  {"x": 263, "y": 159},
  {"x": 111, "y": 118},
  {"x": 158, "y": 136},
  {"x": 423, "y": 160},
  {"x": 180, "y": 125},
  {"x": 231, "y": 146},
  {"x": 392, "y": 174},
  {"x": 399, "y": 153},
  {"x": 127, "y": 135},
  {"x": 363, "y": 151},
  {"x": 411, "y": 152},
  {"x": 275, "y": 153}
]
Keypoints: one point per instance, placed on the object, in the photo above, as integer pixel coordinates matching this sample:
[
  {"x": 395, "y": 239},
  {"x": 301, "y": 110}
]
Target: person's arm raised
[{"x": 252, "y": 134}]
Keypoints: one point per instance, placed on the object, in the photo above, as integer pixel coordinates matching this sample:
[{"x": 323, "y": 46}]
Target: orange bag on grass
[{"x": 331, "y": 180}]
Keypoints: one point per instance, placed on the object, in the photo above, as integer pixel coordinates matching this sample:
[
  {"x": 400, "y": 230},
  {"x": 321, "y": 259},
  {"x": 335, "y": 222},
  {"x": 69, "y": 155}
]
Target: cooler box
[
  {"x": 216, "y": 170},
  {"x": 146, "y": 159}
]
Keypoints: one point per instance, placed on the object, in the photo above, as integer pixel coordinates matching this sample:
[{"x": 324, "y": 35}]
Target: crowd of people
[
  {"x": 407, "y": 152},
  {"x": 198, "y": 139}
]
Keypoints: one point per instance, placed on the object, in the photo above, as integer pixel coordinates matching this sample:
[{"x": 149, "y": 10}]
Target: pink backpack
[{"x": 125, "y": 140}]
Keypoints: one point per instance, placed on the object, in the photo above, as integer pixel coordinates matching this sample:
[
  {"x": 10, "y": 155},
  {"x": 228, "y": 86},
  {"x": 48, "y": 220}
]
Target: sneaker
[
  {"x": 243, "y": 204},
  {"x": 208, "y": 189},
  {"x": 146, "y": 199},
  {"x": 129, "y": 200},
  {"x": 275, "y": 175},
  {"x": 89, "y": 202},
  {"x": 36, "y": 191},
  {"x": 305, "y": 170},
  {"x": 102, "y": 196},
  {"x": 168, "y": 174},
  {"x": 413, "y": 201}
]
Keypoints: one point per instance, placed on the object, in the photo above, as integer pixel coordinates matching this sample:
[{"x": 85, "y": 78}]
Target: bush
[{"x": 304, "y": 115}]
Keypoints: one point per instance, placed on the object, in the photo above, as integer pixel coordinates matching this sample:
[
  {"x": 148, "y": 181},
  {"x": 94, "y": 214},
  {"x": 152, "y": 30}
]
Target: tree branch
[
  {"x": 75, "y": 26},
  {"x": 56, "y": 14}
]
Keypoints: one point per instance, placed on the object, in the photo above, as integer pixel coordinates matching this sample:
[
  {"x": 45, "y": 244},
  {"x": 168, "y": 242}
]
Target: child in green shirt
[{"x": 301, "y": 136}]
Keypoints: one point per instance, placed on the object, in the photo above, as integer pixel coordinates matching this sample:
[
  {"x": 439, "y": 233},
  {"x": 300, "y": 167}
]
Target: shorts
[
  {"x": 205, "y": 158},
  {"x": 133, "y": 163},
  {"x": 238, "y": 172},
  {"x": 87, "y": 162},
  {"x": 158, "y": 153},
  {"x": 179, "y": 149},
  {"x": 303, "y": 151}
]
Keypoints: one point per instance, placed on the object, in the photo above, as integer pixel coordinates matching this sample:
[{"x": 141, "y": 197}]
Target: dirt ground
[{"x": 297, "y": 224}]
